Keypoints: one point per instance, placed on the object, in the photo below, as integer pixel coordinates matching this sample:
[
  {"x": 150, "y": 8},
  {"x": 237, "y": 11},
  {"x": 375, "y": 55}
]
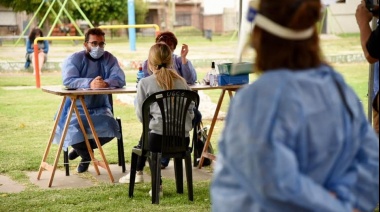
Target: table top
[{"x": 62, "y": 91}]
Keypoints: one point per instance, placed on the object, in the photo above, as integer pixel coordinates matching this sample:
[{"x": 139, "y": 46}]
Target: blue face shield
[{"x": 96, "y": 52}]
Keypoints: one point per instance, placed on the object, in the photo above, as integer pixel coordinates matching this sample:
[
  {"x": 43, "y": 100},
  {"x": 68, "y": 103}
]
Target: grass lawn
[{"x": 26, "y": 119}]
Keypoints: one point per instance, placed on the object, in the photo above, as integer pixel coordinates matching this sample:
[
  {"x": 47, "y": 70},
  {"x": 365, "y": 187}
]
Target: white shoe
[
  {"x": 161, "y": 192},
  {"x": 139, "y": 178}
]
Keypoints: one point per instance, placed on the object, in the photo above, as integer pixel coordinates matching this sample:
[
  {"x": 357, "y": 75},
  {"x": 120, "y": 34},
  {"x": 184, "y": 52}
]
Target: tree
[
  {"x": 28, "y": 6},
  {"x": 102, "y": 11},
  {"x": 97, "y": 11}
]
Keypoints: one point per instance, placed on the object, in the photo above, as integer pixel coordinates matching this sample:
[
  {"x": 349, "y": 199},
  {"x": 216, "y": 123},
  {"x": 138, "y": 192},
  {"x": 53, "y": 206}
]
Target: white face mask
[{"x": 96, "y": 52}]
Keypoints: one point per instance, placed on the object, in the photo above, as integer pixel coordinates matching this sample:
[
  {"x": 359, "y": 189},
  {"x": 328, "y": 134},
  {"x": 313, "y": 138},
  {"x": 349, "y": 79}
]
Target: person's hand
[
  {"x": 98, "y": 82},
  {"x": 184, "y": 51},
  {"x": 363, "y": 16}
]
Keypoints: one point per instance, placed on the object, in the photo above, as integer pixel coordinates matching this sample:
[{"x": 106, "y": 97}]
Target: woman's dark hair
[
  {"x": 93, "y": 31},
  {"x": 168, "y": 38},
  {"x": 274, "y": 52},
  {"x": 33, "y": 34}
]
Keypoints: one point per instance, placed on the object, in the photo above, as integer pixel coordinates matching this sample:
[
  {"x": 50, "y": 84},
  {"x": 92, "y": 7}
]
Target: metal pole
[
  {"x": 71, "y": 19},
  {"x": 56, "y": 20},
  {"x": 47, "y": 13},
  {"x": 81, "y": 12},
  {"x": 370, "y": 81},
  {"x": 132, "y": 21}
]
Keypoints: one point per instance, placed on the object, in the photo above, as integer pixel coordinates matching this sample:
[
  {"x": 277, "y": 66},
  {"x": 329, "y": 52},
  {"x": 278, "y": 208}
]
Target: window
[{"x": 183, "y": 19}]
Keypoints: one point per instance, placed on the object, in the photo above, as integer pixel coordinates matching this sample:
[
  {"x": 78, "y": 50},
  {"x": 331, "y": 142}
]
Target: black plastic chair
[
  {"x": 120, "y": 146},
  {"x": 174, "y": 105}
]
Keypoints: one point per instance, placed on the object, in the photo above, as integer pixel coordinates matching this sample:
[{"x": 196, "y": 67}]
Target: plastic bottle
[
  {"x": 140, "y": 74},
  {"x": 213, "y": 75}
]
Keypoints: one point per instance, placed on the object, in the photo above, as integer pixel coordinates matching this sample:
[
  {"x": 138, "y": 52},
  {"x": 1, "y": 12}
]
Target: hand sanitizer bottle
[{"x": 140, "y": 75}]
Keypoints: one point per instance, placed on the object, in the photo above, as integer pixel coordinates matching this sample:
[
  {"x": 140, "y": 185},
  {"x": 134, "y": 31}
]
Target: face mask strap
[{"x": 275, "y": 29}]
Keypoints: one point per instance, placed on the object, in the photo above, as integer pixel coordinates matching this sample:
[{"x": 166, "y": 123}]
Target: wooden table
[
  {"x": 229, "y": 89},
  {"x": 79, "y": 95},
  {"x": 76, "y": 95}
]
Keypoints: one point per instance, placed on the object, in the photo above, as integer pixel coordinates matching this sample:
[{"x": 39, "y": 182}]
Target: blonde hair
[{"x": 161, "y": 64}]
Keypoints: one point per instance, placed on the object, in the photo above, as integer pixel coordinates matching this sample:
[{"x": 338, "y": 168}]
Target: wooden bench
[{"x": 12, "y": 37}]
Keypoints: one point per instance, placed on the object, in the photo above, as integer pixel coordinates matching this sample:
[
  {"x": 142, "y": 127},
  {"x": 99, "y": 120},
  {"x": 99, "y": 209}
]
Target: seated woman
[
  {"x": 163, "y": 78},
  {"x": 43, "y": 49}
]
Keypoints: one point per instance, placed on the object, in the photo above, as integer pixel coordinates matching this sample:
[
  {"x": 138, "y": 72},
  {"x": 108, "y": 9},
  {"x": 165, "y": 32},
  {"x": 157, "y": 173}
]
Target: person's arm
[
  {"x": 29, "y": 47},
  {"x": 46, "y": 46},
  {"x": 363, "y": 18},
  {"x": 187, "y": 71},
  {"x": 373, "y": 44},
  {"x": 145, "y": 69},
  {"x": 140, "y": 98},
  {"x": 114, "y": 75},
  {"x": 71, "y": 69}
]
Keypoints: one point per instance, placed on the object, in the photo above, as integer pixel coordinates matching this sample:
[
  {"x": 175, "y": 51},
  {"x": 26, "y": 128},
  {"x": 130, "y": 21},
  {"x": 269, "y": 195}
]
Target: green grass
[{"x": 26, "y": 119}]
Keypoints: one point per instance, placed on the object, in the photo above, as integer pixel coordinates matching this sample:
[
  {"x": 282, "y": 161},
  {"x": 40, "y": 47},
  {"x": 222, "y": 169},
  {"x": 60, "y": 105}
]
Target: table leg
[
  {"x": 89, "y": 149},
  {"x": 54, "y": 167},
  {"x": 47, "y": 149},
  {"x": 103, "y": 163},
  {"x": 205, "y": 154}
]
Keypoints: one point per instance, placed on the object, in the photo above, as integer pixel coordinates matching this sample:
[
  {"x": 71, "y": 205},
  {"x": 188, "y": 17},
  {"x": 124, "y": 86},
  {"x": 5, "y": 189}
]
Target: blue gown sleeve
[
  {"x": 71, "y": 72},
  {"x": 76, "y": 72},
  {"x": 187, "y": 70},
  {"x": 145, "y": 69},
  {"x": 114, "y": 76}
]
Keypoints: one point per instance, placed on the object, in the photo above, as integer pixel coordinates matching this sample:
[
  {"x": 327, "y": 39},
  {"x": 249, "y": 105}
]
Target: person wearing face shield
[
  {"x": 296, "y": 139},
  {"x": 91, "y": 68}
]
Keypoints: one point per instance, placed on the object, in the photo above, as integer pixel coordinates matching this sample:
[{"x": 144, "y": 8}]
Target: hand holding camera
[
  {"x": 373, "y": 7},
  {"x": 365, "y": 11}
]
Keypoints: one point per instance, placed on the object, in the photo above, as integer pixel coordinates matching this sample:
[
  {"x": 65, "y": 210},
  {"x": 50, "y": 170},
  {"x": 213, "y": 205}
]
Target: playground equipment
[
  {"x": 57, "y": 16},
  {"x": 35, "y": 54}
]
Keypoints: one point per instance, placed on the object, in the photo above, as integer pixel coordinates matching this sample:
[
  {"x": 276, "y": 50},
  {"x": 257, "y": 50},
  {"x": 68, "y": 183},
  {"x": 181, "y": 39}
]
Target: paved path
[{"x": 90, "y": 178}]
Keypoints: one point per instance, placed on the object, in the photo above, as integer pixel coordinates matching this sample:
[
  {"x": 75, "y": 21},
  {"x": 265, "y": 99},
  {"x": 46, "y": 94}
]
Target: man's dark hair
[{"x": 93, "y": 31}]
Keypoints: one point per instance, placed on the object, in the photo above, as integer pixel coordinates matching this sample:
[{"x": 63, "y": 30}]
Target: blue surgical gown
[
  {"x": 78, "y": 70},
  {"x": 296, "y": 141}
]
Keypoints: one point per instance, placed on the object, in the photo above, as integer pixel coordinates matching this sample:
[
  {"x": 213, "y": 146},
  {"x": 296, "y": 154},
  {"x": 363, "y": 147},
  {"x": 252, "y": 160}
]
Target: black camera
[{"x": 373, "y": 6}]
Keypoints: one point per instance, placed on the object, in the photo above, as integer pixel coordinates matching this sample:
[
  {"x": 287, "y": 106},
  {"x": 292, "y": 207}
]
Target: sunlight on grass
[{"x": 26, "y": 121}]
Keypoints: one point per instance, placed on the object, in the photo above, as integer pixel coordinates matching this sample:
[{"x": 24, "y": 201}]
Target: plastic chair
[
  {"x": 120, "y": 146},
  {"x": 174, "y": 105}
]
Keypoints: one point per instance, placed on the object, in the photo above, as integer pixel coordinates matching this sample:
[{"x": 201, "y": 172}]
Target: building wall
[
  {"x": 12, "y": 23},
  {"x": 230, "y": 20},
  {"x": 213, "y": 23},
  {"x": 340, "y": 18}
]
